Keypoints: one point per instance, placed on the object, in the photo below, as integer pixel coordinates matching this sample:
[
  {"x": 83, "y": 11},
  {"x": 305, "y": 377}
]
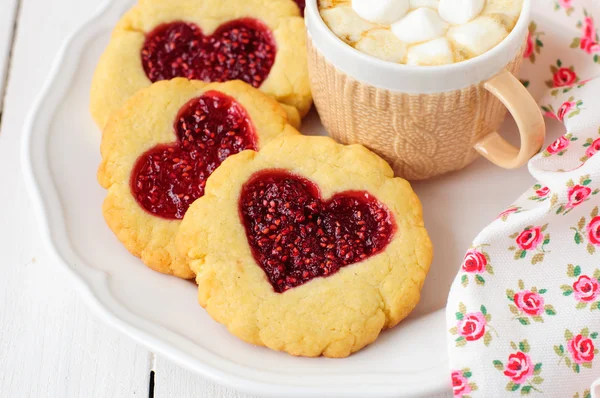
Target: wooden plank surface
[
  {"x": 51, "y": 345},
  {"x": 173, "y": 381},
  {"x": 8, "y": 13}
]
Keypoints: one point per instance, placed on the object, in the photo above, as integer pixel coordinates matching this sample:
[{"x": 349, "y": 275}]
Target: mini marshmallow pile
[{"x": 421, "y": 32}]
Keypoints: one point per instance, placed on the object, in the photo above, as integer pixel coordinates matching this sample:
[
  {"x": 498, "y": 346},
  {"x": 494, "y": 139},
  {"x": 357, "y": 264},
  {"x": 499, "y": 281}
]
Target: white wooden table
[{"x": 51, "y": 345}]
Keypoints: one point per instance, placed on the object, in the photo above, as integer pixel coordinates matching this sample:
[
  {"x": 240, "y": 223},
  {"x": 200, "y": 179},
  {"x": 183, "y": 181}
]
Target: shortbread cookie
[
  {"x": 159, "y": 150},
  {"x": 261, "y": 42},
  {"x": 308, "y": 247}
]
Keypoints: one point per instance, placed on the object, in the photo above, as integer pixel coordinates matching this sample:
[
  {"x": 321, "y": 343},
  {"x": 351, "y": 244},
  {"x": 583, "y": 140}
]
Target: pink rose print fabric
[
  {"x": 586, "y": 289},
  {"x": 588, "y": 41},
  {"x": 529, "y": 305},
  {"x": 475, "y": 262},
  {"x": 475, "y": 265},
  {"x": 472, "y": 326},
  {"x": 536, "y": 268},
  {"x": 461, "y": 386},
  {"x": 521, "y": 372}
]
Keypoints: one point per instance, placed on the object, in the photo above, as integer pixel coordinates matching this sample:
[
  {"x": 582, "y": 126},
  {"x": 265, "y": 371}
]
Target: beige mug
[{"x": 424, "y": 120}]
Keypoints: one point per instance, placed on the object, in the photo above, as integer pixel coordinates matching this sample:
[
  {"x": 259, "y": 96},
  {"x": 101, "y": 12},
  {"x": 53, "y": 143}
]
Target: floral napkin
[{"x": 523, "y": 314}]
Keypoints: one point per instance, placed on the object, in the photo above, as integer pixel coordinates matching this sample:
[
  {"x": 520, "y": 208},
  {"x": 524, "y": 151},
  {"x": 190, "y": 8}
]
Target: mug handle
[{"x": 509, "y": 90}]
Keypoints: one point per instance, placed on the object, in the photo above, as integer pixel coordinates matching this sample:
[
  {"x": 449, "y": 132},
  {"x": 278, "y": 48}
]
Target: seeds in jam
[
  {"x": 168, "y": 178},
  {"x": 243, "y": 49},
  {"x": 295, "y": 236},
  {"x": 301, "y": 4}
]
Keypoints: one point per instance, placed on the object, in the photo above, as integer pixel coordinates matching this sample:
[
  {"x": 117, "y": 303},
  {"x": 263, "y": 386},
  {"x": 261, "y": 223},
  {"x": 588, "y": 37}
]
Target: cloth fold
[{"x": 523, "y": 313}]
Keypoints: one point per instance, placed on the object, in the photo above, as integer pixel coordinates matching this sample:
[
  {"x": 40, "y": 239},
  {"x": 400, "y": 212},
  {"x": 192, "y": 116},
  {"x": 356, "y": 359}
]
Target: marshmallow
[
  {"x": 382, "y": 12},
  {"x": 345, "y": 23},
  {"x": 458, "y": 12},
  {"x": 477, "y": 36},
  {"x": 435, "y": 52},
  {"x": 511, "y": 8},
  {"x": 382, "y": 44},
  {"x": 420, "y": 25},
  {"x": 424, "y": 3},
  {"x": 506, "y": 12}
]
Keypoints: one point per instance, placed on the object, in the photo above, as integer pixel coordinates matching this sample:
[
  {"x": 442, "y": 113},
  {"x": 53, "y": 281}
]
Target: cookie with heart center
[
  {"x": 259, "y": 42},
  {"x": 159, "y": 150},
  {"x": 295, "y": 236},
  {"x": 308, "y": 246},
  {"x": 243, "y": 49},
  {"x": 169, "y": 177}
]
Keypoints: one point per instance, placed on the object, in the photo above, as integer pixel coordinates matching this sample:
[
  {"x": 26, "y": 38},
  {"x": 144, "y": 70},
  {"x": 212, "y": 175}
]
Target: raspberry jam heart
[
  {"x": 301, "y": 4},
  {"x": 295, "y": 236},
  {"x": 168, "y": 178},
  {"x": 243, "y": 49}
]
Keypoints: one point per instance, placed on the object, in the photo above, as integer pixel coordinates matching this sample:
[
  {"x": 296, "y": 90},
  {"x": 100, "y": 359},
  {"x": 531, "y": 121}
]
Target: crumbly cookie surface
[
  {"x": 145, "y": 122},
  {"x": 332, "y": 316},
  {"x": 120, "y": 72}
]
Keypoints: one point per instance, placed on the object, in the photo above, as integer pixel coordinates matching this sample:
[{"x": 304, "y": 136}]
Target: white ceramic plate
[{"x": 61, "y": 154}]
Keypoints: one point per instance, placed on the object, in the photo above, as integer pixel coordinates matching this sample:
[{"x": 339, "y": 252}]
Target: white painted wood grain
[
  {"x": 50, "y": 343},
  {"x": 8, "y": 12},
  {"x": 173, "y": 381}
]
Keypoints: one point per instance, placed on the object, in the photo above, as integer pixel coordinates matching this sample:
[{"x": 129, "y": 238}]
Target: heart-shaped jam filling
[
  {"x": 243, "y": 49},
  {"x": 168, "y": 178},
  {"x": 301, "y": 4},
  {"x": 295, "y": 236}
]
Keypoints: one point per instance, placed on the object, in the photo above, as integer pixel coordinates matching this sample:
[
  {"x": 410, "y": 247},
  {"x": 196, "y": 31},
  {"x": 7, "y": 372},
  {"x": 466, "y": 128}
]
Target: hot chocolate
[{"x": 421, "y": 32}]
